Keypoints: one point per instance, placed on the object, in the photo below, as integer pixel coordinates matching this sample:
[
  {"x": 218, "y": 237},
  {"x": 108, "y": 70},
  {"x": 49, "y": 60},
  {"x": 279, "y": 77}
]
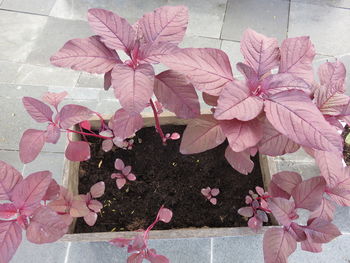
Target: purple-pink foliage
[{"x": 124, "y": 175}]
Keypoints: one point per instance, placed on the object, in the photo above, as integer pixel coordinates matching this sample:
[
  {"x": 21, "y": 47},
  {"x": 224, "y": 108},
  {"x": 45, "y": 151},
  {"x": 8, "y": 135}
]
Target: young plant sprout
[
  {"x": 125, "y": 174},
  {"x": 210, "y": 194}
]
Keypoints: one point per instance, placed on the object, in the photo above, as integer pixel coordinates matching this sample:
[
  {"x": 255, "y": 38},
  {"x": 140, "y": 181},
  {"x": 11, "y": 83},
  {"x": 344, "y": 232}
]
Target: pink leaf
[
  {"x": 215, "y": 191},
  {"x": 120, "y": 242},
  {"x": 135, "y": 258},
  {"x": 236, "y": 101},
  {"x": 154, "y": 258},
  {"x": 283, "y": 210},
  {"x": 133, "y": 87},
  {"x": 240, "y": 161},
  {"x": 260, "y": 190},
  {"x": 7, "y": 211},
  {"x": 242, "y": 135},
  {"x": 213, "y": 200},
  {"x": 90, "y": 218},
  {"x": 107, "y": 145},
  {"x": 31, "y": 143},
  {"x": 124, "y": 125},
  {"x": 107, "y": 80},
  {"x": 53, "y": 98},
  {"x": 296, "y": 57},
  {"x": 276, "y": 191},
  {"x": 177, "y": 94},
  {"x": 206, "y": 191},
  {"x": 154, "y": 52},
  {"x": 341, "y": 193},
  {"x": 52, "y": 192},
  {"x": 208, "y": 69},
  {"x": 95, "y": 206},
  {"x": 165, "y": 24},
  {"x": 37, "y": 110},
  {"x": 255, "y": 224},
  {"x": 138, "y": 244},
  {"x": 53, "y": 133},
  {"x": 63, "y": 203},
  {"x": 201, "y": 134},
  {"x": 259, "y": 51},
  {"x": 246, "y": 211},
  {"x": 30, "y": 191},
  {"x": 308, "y": 194},
  {"x": 321, "y": 231},
  {"x": 115, "y": 31},
  {"x": 131, "y": 177},
  {"x": 293, "y": 114},
  {"x": 284, "y": 81},
  {"x": 332, "y": 75},
  {"x": 10, "y": 239},
  {"x": 9, "y": 177},
  {"x": 324, "y": 211},
  {"x": 97, "y": 190},
  {"x": 46, "y": 226},
  {"x": 248, "y": 72},
  {"x": 308, "y": 245},
  {"x": 210, "y": 99},
  {"x": 87, "y": 54},
  {"x": 119, "y": 164},
  {"x": 297, "y": 232},
  {"x": 72, "y": 114},
  {"x": 330, "y": 165},
  {"x": 273, "y": 143},
  {"x": 330, "y": 103},
  {"x": 126, "y": 170},
  {"x": 120, "y": 182},
  {"x": 85, "y": 125},
  {"x": 165, "y": 215},
  {"x": 79, "y": 207},
  {"x": 287, "y": 181},
  {"x": 78, "y": 151},
  {"x": 278, "y": 245}
]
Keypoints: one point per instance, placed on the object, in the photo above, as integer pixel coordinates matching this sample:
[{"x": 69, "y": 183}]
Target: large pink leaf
[
  {"x": 72, "y": 114},
  {"x": 124, "y": 125},
  {"x": 287, "y": 181},
  {"x": 330, "y": 103},
  {"x": 53, "y": 98},
  {"x": 260, "y": 52},
  {"x": 37, "y": 110},
  {"x": 87, "y": 54},
  {"x": 31, "y": 143},
  {"x": 153, "y": 52},
  {"x": 46, "y": 226},
  {"x": 9, "y": 177},
  {"x": 177, "y": 94},
  {"x": 208, "y": 69},
  {"x": 201, "y": 134},
  {"x": 293, "y": 114},
  {"x": 276, "y": 191},
  {"x": 236, "y": 101},
  {"x": 332, "y": 75},
  {"x": 10, "y": 239},
  {"x": 330, "y": 164},
  {"x": 324, "y": 211},
  {"x": 278, "y": 245},
  {"x": 321, "y": 231},
  {"x": 133, "y": 87},
  {"x": 296, "y": 57},
  {"x": 283, "y": 210},
  {"x": 274, "y": 143},
  {"x": 8, "y": 211},
  {"x": 340, "y": 191},
  {"x": 308, "y": 194},
  {"x": 240, "y": 161},
  {"x": 29, "y": 192},
  {"x": 284, "y": 81},
  {"x": 53, "y": 133},
  {"x": 242, "y": 135},
  {"x": 115, "y": 31},
  {"x": 97, "y": 190},
  {"x": 308, "y": 245},
  {"x": 78, "y": 151},
  {"x": 297, "y": 231},
  {"x": 52, "y": 192},
  {"x": 165, "y": 24}
]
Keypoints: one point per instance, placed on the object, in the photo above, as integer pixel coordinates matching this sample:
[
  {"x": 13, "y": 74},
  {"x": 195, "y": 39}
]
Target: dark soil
[
  {"x": 346, "y": 150},
  {"x": 165, "y": 176}
]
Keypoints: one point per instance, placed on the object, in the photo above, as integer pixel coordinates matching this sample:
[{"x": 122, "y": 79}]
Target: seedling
[
  {"x": 210, "y": 194},
  {"x": 125, "y": 174}
]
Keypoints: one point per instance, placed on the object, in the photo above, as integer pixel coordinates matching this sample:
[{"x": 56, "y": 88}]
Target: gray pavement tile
[
  {"x": 18, "y": 34},
  {"x": 341, "y": 218},
  {"x": 206, "y": 16},
  {"x": 29, "y": 6},
  {"x": 54, "y": 35},
  {"x": 233, "y": 50},
  {"x": 269, "y": 17},
  {"x": 8, "y": 71},
  {"x": 327, "y": 27},
  {"x": 333, "y": 3},
  {"x": 200, "y": 42},
  {"x": 87, "y": 80},
  {"x": 12, "y": 91},
  {"x": 12, "y": 158}
]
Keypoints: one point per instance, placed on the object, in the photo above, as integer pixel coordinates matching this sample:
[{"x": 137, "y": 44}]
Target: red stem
[
  {"x": 90, "y": 134},
  {"x": 102, "y": 120},
  {"x": 158, "y": 128}
]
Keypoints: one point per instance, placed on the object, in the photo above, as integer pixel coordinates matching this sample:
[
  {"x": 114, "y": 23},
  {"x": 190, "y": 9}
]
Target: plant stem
[
  {"x": 158, "y": 128},
  {"x": 90, "y": 134}
]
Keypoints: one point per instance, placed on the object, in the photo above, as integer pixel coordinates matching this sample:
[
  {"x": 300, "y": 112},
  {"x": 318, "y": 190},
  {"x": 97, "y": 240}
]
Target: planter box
[{"x": 71, "y": 181}]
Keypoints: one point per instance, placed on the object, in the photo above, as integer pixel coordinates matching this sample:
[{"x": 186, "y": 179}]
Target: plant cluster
[{"x": 275, "y": 108}]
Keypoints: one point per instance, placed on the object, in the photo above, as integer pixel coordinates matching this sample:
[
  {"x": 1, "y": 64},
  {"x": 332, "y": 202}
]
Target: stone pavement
[{"x": 32, "y": 30}]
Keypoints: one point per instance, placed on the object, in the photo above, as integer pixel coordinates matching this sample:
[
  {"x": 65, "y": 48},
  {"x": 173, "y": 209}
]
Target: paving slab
[
  {"x": 327, "y": 3},
  {"x": 12, "y": 158},
  {"x": 327, "y": 27},
  {"x": 8, "y": 71},
  {"x": 269, "y": 17},
  {"x": 233, "y": 51},
  {"x": 13, "y": 91},
  {"x": 29, "y": 6}
]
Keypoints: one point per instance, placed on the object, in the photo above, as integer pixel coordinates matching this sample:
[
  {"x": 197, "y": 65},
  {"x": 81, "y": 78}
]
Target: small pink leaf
[
  {"x": 246, "y": 211},
  {"x": 210, "y": 99},
  {"x": 95, "y": 205},
  {"x": 10, "y": 239},
  {"x": 90, "y": 218},
  {"x": 201, "y": 134},
  {"x": 37, "y": 110},
  {"x": 260, "y": 52},
  {"x": 120, "y": 182},
  {"x": 31, "y": 143},
  {"x": 283, "y": 210},
  {"x": 206, "y": 192},
  {"x": 165, "y": 215},
  {"x": 97, "y": 190},
  {"x": 175, "y": 136},
  {"x": 53, "y": 98},
  {"x": 126, "y": 170},
  {"x": 138, "y": 244},
  {"x": 85, "y": 125},
  {"x": 278, "y": 245},
  {"x": 293, "y": 114},
  {"x": 63, "y": 203},
  {"x": 255, "y": 224},
  {"x": 115, "y": 31},
  {"x": 107, "y": 145},
  {"x": 165, "y": 24},
  {"x": 124, "y": 125},
  {"x": 154, "y": 258},
  {"x": 119, "y": 164},
  {"x": 78, "y": 151},
  {"x": 215, "y": 191},
  {"x": 287, "y": 181},
  {"x": 177, "y": 94},
  {"x": 30, "y": 191},
  {"x": 9, "y": 177},
  {"x": 332, "y": 75},
  {"x": 106, "y": 133},
  {"x": 236, "y": 101},
  {"x": 324, "y": 211},
  {"x": 79, "y": 207},
  {"x": 308, "y": 194},
  {"x": 131, "y": 177},
  {"x": 321, "y": 231},
  {"x": 240, "y": 161},
  {"x": 52, "y": 192},
  {"x": 213, "y": 200},
  {"x": 120, "y": 242},
  {"x": 260, "y": 190},
  {"x": 53, "y": 133},
  {"x": 135, "y": 258},
  {"x": 46, "y": 226},
  {"x": 72, "y": 114},
  {"x": 296, "y": 57},
  {"x": 133, "y": 87},
  {"x": 87, "y": 54},
  {"x": 7, "y": 211},
  {"x": 208, "y": 69}
]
